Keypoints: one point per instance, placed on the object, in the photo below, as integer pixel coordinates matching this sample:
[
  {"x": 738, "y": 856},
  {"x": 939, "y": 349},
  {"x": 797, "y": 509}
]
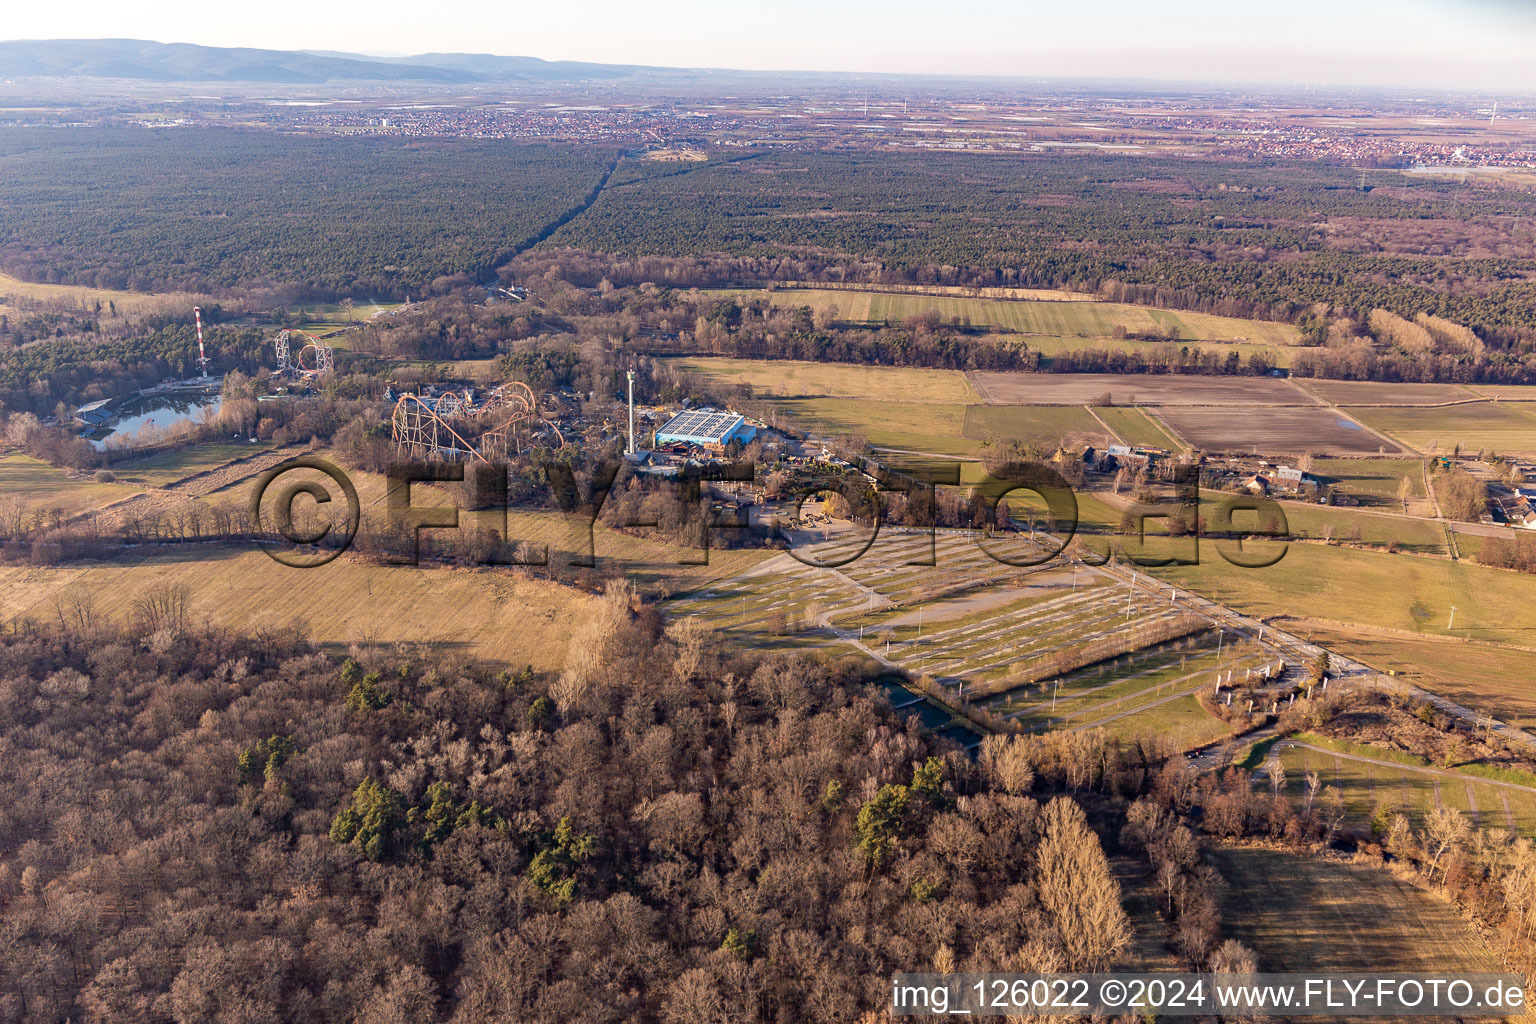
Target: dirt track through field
[
  {"x": 1372, "y": 393},
  {"x": 1509, "y": 814},
  {"x": 1438, "y": 773},
  {"x": 233, "y": 472},
  {"x": 1107, "y": 428},
  {"x": 178, "y": 495},
  {"x": 1006, "y": 387},
  {"x": 1275, "y": 430}
]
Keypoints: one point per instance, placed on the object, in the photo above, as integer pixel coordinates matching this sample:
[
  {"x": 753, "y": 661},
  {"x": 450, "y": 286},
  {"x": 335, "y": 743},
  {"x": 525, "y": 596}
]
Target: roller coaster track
[
  {"x": 435, "y": 428},
  {"x": 314, "y": 358},
  {"x": 420, "y": 432},
  {"x": 317, "y": 358}
]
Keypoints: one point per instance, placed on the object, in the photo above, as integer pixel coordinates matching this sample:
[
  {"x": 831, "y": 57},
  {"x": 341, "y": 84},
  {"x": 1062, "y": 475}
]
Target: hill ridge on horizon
[
  {"x": 153, "y": 61},
  {"x": 148, "y": 60}
]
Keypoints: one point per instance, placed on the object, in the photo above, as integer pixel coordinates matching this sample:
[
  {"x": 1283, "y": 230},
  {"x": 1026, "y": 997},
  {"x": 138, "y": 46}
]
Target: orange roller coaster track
[
  {"x": 420, "y": 432},
  {"x": 515, "y": 404},
  {"x": 435, "y": 428}
]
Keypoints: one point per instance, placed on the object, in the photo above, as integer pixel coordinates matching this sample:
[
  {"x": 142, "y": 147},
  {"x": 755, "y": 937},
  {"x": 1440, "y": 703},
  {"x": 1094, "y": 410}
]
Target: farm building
[
  {"x": 1288, "y": 478},
  {"x": 1125, "y": 455},
  {"x": 707, "y": 428}
]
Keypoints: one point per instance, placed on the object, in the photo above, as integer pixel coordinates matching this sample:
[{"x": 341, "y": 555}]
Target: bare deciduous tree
[
  {"x": 1444, "y": 830},
  {"x": 1078, "y": 891},
  {"x": 162, "y": 608}
]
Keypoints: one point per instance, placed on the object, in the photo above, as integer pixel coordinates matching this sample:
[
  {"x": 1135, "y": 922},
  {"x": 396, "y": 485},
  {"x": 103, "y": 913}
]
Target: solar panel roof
[{"x": 700, "y": 423}]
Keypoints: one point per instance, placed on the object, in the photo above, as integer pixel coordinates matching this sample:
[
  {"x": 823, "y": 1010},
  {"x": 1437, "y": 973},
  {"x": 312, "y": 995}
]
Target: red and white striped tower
[{"x": 202, "y": 356}]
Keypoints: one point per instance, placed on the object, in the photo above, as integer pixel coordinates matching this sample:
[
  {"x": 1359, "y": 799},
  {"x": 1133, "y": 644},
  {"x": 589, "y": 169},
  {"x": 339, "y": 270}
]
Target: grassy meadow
[
  {"x": 76, "y": 297},
  {"x": 1480, "y": 675},
  {"x": 1373, "y": 481},
  {"x": 1417, "y": 535},
  {"x": 1370, "y": 588},
  {"x": 1056, "y": 319},
  {"x": 42, "y": 487},
  {"x": 1367, "y": 785},
  {"x": 1136, "y": 426},
  {"x": 1504, "y": 427},
  {"x": 795, "y": 379},
  {"x": 165, "y": 468},
  {"x": 489, "y": 614},
  {"x": 1301, "y": 914}
]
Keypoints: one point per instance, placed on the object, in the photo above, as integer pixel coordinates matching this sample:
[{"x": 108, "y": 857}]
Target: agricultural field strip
[
  {"x": 893, "y": 544},
  {"x": 1063, "y": 611},
  {"x": 971, "y": 665},
  {"x": 1067, "y": 606},
  {"x": 988, "y": 631},
  {"x": 1054, "y": 609},
  {"x": 801, "y": 588},
  {"x": 1154, "y": 680},
  {"x": 1136, "y": 664},
  {"x": 914, "y": 580},
  {"x": 1013, "y": 637},
  {"x": 914, "y": 591},
  {"x": 1312, "y": 914},
  {"x": 1018, "y": 388},
  {"x": 895, "y": 540},
  {"x": 900, "y": 580},
  {"x": 764, "y": 613},
  {"x": 1062, "y": 615},
  {"x": 1114, "y": 434},
  {"x": 866, "y": 572},
  {"x": 718, "y": 592},
  {"x": 1157, "y": 702},
  {"x": 953, "y": 550},
  {"x": 1159, "y": 688},
  {"x": 1077, "y": 320},
  {"x": 902, "y": 589},
  {"x": 1174, "y": 441},
  {"x": 794, "y": 591},
  {"x": 1180, "y": 721},
  {"x": 945, "y": 559},
  {"x": 1005, "y": 634},
  {"x": 714, "y": 595},
  {"x": 1437, "y": 772},
  {"x": 1367, "y": 785},
  {"x": 1136, "y": 657},
  {"x": 1499, "y": 426},
  {"x": 1414, "y": 795},
  {"x": 1010, "y": 601},
  {"x": 1154, "y": 695}
]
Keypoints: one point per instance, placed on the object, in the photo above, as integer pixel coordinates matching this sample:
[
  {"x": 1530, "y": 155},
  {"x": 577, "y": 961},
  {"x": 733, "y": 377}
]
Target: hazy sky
[{"x": 1440, "y": 43}]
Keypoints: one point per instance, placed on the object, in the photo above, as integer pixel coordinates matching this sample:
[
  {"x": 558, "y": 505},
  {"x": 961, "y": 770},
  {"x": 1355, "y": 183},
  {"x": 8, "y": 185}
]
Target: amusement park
[
  {"x": 470, "y": 424},
  {"x": 437, "y": 424},
  {"x": 480, "y": 420},
  {"x": 314, "y": 360}
]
